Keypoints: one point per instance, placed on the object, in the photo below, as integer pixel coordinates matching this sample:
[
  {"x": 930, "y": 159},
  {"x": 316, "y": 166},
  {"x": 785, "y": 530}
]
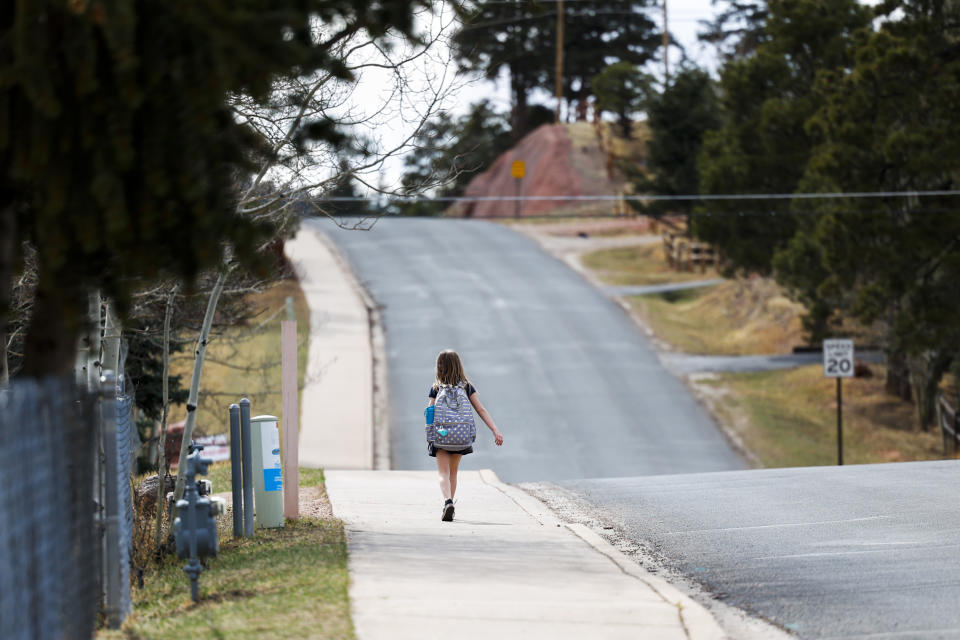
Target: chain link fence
[
  {"x": 49, "y": 548},
  {"x": 120, "y": 443},
  {"x": 66, "y": 513}
]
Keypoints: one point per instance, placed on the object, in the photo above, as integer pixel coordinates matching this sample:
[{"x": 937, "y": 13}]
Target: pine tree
[
  {"x": 118, "y": 150},
  {"x": 623, "y": 89},
  {"x": 679, "y": 118},
  {"x": 888, "y": 124},
  {"x": 763, "y": 145}
]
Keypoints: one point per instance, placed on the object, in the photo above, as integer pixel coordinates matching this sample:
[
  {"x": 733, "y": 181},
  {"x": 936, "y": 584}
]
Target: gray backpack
[{"x": 452, "y": 413}]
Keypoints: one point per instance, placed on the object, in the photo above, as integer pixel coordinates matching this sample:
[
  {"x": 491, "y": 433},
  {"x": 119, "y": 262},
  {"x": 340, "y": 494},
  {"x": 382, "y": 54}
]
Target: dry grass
[
  {"x": 737, "y": 317},
  {"x": 592, "y": 227},
  {"x": 245, "y": 362},
  {"x": 643, "y": 264},
  {"x": 791, "y": 418},
  {"x": 584, "y": 134},
  {"x": 630, "y": 149}
]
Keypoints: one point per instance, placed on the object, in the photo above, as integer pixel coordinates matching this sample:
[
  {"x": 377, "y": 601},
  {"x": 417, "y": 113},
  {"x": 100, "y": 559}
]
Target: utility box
[{"x": 267, "y": 472}]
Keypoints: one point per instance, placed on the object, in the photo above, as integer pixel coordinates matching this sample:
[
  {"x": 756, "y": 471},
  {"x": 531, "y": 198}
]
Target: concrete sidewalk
[
  {"x": 505, "y": 568},
  {"x": 336, "y": 413}
]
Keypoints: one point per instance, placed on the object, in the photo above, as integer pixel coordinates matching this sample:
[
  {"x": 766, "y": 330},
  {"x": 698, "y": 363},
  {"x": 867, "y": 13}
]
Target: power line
[
  {"x": 508, "y": 214},
  {"x": 657, "y": 198}
]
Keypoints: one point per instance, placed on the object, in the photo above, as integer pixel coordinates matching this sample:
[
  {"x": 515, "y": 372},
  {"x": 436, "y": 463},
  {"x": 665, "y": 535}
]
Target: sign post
[
  {"x": 518, "y": 170},
  {"x": 838, "y": 363},
  {"x": 291, "y": 416}
]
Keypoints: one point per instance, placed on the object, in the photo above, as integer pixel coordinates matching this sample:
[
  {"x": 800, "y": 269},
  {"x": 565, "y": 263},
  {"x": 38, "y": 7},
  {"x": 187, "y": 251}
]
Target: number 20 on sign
[
  {"x": 838, "y": 358},
  {"x": 838, "y": 363}
]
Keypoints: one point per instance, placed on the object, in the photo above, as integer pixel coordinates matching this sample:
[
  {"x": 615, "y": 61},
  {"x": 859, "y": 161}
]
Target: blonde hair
[{"x": 449, "y": 368}]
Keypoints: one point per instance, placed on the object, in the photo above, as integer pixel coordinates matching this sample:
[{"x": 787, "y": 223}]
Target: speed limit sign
[{"x": 838, "y": 358}]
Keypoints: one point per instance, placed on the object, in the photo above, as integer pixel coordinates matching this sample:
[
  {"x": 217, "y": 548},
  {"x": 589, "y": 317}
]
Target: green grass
[
  {"x": 283, "y": 583},
  {"x": 219, "y": 475},
  {"x": 638, "y": 265},
  {"x": 791, "y": 419}
]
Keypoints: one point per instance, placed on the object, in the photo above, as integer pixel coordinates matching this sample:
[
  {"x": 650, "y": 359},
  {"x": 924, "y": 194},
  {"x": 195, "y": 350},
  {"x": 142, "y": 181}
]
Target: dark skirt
[{"x": 432, "y": 450}]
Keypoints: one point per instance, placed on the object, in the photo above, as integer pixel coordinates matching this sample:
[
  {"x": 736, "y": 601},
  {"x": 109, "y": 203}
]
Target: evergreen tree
[
  {"x": 889, "y": 124},
  {"x": 598, "y": 34},
  {"x": 678, "y": 118},
  {"x": 521, "y": 37},
  {"x": 118, "y": 150},
  {"x": 622, "y": 89},
  {"x": 738, "y": 29},
  {"x": 763, "y": 145},
  {"x": 512, "y": 35}
]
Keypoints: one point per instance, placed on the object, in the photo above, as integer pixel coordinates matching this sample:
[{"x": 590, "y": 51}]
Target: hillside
[{"x": 578, "y": 159}]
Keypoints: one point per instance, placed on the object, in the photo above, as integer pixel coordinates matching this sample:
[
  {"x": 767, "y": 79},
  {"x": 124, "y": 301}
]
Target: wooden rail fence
[{"x": 686, "y": 254}]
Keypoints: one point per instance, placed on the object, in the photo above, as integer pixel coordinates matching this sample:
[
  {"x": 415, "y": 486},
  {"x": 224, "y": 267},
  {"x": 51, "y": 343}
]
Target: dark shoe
[{"x": 447, "y": 512}]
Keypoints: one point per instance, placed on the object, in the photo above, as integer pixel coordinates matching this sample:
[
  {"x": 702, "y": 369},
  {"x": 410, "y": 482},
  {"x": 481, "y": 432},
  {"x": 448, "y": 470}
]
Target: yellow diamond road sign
[{"x": 518, "y": 169}]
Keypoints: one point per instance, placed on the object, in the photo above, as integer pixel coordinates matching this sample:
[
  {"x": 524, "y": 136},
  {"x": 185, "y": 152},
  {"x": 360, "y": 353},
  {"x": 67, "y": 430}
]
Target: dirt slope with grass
[
  {"x": 578, "y": 159},
  {"x": 741, "y": 316}
]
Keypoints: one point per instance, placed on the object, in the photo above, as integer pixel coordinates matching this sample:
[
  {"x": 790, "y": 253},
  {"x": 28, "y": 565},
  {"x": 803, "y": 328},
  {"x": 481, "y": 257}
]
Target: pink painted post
[{"x": 291, "y": 419}]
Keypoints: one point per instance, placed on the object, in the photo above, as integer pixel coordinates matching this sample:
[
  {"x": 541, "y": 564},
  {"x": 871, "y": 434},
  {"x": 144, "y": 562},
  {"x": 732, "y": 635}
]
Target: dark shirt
[{"x": 470, "y": 389}]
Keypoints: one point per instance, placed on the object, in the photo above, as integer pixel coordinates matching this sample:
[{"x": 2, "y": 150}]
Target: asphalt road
[
  {"x": 868, "y": 551},
  {"x": 573, "y": 384},
  {"x": 687, "y": 363},
  {"x": 647, "y": 289}
]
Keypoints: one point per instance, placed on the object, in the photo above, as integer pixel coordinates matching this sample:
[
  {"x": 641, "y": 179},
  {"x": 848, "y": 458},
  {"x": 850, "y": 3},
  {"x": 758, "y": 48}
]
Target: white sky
[{"x": 683, "y": 18}]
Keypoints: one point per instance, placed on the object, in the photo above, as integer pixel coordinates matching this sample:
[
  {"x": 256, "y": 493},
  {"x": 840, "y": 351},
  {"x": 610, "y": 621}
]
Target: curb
[
  {"x": 380, "y": 436},
  {"x": 524, "y": 500},
  {"x": 697, "y": 622}
]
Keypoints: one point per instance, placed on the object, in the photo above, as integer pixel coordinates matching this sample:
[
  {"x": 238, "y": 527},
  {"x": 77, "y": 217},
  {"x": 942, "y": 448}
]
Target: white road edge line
[{"x": 777, "y": 526}]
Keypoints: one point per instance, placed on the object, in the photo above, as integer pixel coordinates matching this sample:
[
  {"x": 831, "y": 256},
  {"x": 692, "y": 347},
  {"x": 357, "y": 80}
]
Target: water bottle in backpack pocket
[
  {"x": 430, "y": 429},
  {"x": 452, "y": 427}
]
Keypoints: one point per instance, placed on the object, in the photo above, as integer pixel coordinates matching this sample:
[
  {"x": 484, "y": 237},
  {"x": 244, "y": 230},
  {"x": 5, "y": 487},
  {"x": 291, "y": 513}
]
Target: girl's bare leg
[
  {"x": 443, "y": 467},
  {"x": 454, "y": 465}
]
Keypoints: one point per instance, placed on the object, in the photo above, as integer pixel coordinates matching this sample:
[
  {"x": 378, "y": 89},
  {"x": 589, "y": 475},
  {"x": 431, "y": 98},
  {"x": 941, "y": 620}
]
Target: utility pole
[
  {"x": 559, "y": 60},
  {"x": 666, "y": 44}
]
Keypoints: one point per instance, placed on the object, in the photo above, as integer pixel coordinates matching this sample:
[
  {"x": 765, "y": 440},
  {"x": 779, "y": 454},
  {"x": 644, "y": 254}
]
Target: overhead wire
[{"x": 641, "y": 197}]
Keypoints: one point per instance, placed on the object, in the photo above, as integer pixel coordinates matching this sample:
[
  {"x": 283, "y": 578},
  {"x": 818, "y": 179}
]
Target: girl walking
[{"x": 450, "y": 379}]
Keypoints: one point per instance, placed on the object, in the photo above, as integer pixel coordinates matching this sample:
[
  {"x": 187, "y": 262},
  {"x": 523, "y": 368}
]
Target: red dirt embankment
[{"x": 555, "y": 166}]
